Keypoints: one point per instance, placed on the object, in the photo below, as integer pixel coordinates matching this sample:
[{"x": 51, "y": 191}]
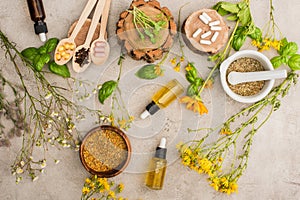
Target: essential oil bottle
[
  {"x": 37, "y": 14},
  {"x": 164, "y": 97},
  {"x": 157, "y": 168}
]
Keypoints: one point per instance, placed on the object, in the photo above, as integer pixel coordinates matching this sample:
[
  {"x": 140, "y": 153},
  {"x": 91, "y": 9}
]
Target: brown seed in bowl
[{"x": 246, "y": 65}]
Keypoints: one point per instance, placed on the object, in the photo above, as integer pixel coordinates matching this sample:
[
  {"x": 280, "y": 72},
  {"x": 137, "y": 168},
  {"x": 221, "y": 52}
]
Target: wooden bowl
[{"x": 105, "y": 151}]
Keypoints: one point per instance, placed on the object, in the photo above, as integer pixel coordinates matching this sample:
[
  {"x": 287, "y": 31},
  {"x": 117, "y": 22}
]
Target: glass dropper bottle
[
  {"x": 37, "y": 14},
  {"x": 163, "y": 98}
]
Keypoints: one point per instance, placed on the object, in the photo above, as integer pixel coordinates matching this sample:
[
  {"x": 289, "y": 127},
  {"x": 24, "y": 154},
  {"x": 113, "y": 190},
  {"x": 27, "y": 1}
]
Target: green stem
[{"x": 222, "y": 58}]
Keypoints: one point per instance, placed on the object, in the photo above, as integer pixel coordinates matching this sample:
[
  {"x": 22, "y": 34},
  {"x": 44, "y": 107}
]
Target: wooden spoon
[
  {"x": 65, "y": 48},
  {"x": 100, "y": 48},
  {"x": 82, "y": 59}
]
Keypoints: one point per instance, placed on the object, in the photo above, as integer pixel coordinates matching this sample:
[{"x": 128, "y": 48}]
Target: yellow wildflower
[
  {"x": 256, "y": 43},
  {"x": 122, "y": 123},
  {"x": 120, "y": 187},
  {"x": 173, "y": 61},
  {"x": 131, "y": 118},
  {"x": 189, "y": 67},
  {"x": 158, "y": 71},
  {"x": 111, "y": 194},
  {"x": 85, "y": 190},
  {"x": 120, "y": 198},
  {"x": 87, "y": 181},
  {"x": 194, "y": 104},
  {"x": 181, "y": 59},
  {"x": 177, "y": 67},
  {"x": 209, "y": 84},
  {"x": 267, "y": 42},
  {"x": 276, "y": 44},
  {"x": 225, "y": 131}
]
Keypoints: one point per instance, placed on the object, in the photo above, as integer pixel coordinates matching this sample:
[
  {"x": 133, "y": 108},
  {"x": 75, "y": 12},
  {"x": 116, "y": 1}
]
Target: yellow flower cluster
[
  {"x": 197, "y": 161},
  {"x": 195, "y": 104},
  {"x": 266, "y": 44},
  {"x": 176, "y": 64},
  {"x": 125, "y": 124},
  {"x": 101, "y": 186},
  {"x": 224, "y": 184}
]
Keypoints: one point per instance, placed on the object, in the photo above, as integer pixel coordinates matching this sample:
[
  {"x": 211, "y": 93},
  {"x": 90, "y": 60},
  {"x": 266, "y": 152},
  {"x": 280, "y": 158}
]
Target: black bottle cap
[
  {"x": 152, "y": 108},
  {"x": 40, "y": 27},
  {"x": 161, "y": 153}
]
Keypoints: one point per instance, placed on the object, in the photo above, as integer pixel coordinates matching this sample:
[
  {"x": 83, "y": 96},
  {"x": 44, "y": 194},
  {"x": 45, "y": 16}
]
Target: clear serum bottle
[
  {"x": 157, "y": 168},
  {"x": 37, "y": 14},
  {"x": 164, "y": 97}
]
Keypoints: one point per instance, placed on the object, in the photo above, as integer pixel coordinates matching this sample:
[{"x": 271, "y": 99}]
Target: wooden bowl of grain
[
  {"x": 105, "y": 151},
  {"x": 246, "y": 61}
]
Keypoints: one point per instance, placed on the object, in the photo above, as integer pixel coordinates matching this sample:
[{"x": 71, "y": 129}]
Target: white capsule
[
  {"x": 215, "y": 36},
  {"x": 205, "y": 42},
  {"x": 215, "y": 28},
  {"x": 214, "y": 23},
  {"x": 203, "y": 19},
  {"x": 206, "y": 16},
  {"x": 197, "y": 32},
  {"x": 205, "y": 35}
]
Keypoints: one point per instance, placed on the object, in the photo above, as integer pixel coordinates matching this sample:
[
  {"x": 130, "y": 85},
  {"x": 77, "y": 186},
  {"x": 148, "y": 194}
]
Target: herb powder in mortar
[
  {"x": 246, "y": 65},
  {"x": 104, "y": 150}
]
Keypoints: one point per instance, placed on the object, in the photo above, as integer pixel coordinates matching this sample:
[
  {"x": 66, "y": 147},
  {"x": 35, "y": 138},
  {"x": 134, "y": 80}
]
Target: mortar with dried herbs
[{"x": 246, "y": 61}]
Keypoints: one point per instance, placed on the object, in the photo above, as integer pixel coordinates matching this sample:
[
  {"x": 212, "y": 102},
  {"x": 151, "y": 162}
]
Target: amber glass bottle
[{"x": 37, "y": 14}]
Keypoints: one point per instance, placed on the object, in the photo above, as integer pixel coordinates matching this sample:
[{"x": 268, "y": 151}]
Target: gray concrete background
[{"x": 273, "y": 169}]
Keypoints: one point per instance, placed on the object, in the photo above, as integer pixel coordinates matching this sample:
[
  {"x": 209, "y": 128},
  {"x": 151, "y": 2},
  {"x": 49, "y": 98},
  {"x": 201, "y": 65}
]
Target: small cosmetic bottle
[
  {"x": 37, "y": 14},
  {"x": 164, "y": 97},
  {"x": 157, "y": 169}
]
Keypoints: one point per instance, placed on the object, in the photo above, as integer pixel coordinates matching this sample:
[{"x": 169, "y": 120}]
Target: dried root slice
[{"x": 144, "y": 49}]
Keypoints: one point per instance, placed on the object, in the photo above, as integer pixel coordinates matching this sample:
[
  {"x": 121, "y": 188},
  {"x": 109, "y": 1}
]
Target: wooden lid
[
  {"x": 193, "y": 23},
  {"x": 132, "y": 34}
]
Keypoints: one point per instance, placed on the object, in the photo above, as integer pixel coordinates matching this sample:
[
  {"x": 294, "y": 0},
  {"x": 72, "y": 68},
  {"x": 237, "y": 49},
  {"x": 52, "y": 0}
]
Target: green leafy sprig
[
  {"x": 48, "y": 116},
  {"x": 150, "y": 28},
  {"x": 287, "y": 55}
]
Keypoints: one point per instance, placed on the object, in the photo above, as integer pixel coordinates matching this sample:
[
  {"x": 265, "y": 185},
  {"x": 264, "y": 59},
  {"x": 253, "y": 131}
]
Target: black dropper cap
[
  {"x": 161, "y": 150},
  {"x": 40, "y": 27}
]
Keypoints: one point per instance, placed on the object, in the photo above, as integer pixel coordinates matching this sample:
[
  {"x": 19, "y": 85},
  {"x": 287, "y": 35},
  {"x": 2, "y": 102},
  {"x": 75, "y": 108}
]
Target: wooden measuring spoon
[
  {"x": 66, "y": 47},
  {"x": 100, "y": 48},
  {"x": 82, "y": 59}
]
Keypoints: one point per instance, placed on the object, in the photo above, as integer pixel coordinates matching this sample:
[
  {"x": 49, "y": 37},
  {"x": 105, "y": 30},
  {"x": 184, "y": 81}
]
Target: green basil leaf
[
  {"x": 290, "y": 49},
  {"x": 239, "y": 38},
  {"x": 198, "y": 82},
  {"x": 192, "y": 90},
  {"x": 219, "y": 9},
  {"x": 283, "y": 42},
  {"x": 40, "y": 61},
  {"x": 51, "y": 44},
  {"x": 106, "y": 90},
  {"x": 61, "y": 70},
  {"x": 42, "y": 50},
  {"x": 244, "y": 16},
  {"x": 294, "y": 62},
  {"x": 189, "y": 78},
  {"x": 242, "y": 5},
  {"x": 30, "y": 53},
  {"x": 147, "y": 72},
  {"x": 277, "y": 61},
  {"x": 230, "y": 7},
  {"x": 256, "y": 35},
  {"x": 232, "y": 18}
]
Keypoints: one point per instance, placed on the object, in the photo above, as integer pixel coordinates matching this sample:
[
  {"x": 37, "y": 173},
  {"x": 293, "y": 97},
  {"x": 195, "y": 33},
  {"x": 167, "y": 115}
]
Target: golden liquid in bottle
[
  {"x": 155, "y": 176},
  {"x": 168, "y": 93}
]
